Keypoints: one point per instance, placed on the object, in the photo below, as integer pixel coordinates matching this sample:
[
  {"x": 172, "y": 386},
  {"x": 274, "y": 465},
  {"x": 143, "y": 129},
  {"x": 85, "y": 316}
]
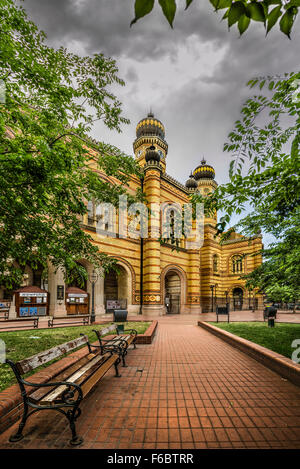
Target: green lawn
[
  {"x": 278, "y": 338},
  {"x": 23, "y": 344}
]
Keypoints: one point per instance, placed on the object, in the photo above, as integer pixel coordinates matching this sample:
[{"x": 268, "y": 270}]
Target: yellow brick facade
[
  {"x": 154, "y": 278},
  {"x": 183, "y": 280}
]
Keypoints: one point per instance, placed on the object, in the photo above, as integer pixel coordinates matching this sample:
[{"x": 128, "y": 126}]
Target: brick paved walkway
[{"x": 194, "y": 391}]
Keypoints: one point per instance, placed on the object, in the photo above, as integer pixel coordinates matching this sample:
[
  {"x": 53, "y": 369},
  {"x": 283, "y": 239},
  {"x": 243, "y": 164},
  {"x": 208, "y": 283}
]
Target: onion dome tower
[
  {"x": 191, "y": 183},
  {"x": 150, "y": 132},
  {"x": 204, "y": 174},
  {"x": 204, "y": 171}
]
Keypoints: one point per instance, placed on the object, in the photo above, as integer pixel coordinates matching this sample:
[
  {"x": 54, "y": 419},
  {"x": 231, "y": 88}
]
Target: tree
[
  {"x": 278, "y": 276},
  {"x": 240, "y": 12},
  {"x": 264, "y": 174},
  {"x": 52, "y": 99}
]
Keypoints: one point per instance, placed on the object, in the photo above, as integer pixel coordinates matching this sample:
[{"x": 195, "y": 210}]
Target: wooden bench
[
  {"x": 4, "y": 313},
  {"x": 120, "y": 340},
  {"x": 19, "y": 323},
  {"x": 71, "y": 386},
  {"x": 65, "y": 320},
  {"x": 222, "y": 310}
]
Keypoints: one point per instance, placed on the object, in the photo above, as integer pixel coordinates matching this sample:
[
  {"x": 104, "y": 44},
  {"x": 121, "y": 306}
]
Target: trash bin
[
  {"x": 120, "y": 328},
  {"x": 271, "y": 322},
  {"x": 120, "y": 315},
  {"x": 271, "y": 312}
]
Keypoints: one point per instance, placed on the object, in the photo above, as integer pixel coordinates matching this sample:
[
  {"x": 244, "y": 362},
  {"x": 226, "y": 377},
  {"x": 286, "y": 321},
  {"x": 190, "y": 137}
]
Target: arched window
[
  {"x": 237, "y": 264},
  {"x": 215, "y": 263}
]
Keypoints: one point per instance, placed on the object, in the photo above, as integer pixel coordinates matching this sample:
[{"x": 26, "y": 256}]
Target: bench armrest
[
  {"x": 118, "y": 337},
  {"x": 107, "y": 347},
  {"x": 132, "y": 331},
  {"x": 67, "y": 394},
  {"x": 110, "y": 348}
]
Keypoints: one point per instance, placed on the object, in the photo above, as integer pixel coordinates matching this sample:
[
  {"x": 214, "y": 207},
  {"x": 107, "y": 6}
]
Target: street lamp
[
  {"x": 226, "y": 296},
  {"x": 93, "y": 279},
  {"x": 216, "y": 286},
  {"x": 212, "y": 297}
]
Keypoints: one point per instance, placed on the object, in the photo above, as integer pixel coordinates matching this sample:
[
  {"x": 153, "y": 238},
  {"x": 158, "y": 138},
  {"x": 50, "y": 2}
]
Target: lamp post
[
  {"x": 226, "y": 297},
  {"x": 93, "y": 279},
  {"x": 253, "y": 306},
  {"x": 216, "y": 286},
  {"x": 212, "y": 297},
  {"x": 241, "y": 300}
]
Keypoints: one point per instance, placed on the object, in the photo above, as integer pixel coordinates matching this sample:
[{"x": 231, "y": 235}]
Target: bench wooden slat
[
  {"x": 41, "y": 358},
  {"x": 39, "y": 394},
  {"x": 92, "y": 380},
  {"x": 75, "y": 378}
]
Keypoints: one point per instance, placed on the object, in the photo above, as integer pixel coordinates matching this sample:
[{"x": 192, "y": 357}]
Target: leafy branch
[{"x": 237, "y": 12}]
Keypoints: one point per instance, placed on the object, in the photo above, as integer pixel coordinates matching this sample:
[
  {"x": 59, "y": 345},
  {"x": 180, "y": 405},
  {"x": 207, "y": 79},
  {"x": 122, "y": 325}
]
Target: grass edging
[
  {"x": 11, "y": 403},
  {"x": 282, "y": 365}
]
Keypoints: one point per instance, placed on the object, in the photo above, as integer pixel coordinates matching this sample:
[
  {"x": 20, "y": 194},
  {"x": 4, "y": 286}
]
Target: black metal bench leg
[
  {"x": 19, "y": 435},
  {"x": 72, "y": 416},
  {"x": 123, "y": 359},
  {"x": 117, "y": 375}
]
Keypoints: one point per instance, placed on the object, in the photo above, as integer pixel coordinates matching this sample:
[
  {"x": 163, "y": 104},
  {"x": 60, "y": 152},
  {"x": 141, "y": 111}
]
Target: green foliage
[
  {"x": 142, "y": 8},
  {"x": 279, "y": 339},
  {"x": 264, "y": 175},
  {"x": 239, "y": 11},
  {"x": 53, "y": 98}
]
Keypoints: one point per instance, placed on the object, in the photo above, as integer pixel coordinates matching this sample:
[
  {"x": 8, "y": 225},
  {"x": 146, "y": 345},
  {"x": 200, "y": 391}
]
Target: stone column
[
  {"x": 152, "y": 301},
  {"x": 12, "y": 314},
  {"x": 55, "y": 278},
  {"x": 193, "y": 280},
  {"x": 99, "y": 292}
]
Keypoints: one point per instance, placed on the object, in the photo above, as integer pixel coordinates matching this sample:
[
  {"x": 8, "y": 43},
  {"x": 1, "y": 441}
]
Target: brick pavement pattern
[{"x": 188, "y": 389}]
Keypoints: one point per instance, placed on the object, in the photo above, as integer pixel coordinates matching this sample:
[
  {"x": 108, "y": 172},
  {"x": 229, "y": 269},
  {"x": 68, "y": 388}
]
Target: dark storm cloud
[
  {"x": 199, "y": 111},
  {"x": 103, "y": 25},
  {"x": 193, "y": 76},
  {"x": 131, "y": 75}
]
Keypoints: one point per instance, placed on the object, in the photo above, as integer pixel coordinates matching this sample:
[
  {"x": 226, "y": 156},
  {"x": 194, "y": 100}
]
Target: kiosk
[
  {"x": 77, "y": 301},
  {"x": 31, "y": 301}
]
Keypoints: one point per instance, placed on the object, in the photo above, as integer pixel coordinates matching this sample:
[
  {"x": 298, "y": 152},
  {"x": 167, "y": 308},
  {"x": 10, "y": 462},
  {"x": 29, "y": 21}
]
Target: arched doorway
[
  {"x": 116, "y": 289},
  {"x": 237, "y": 294},
  {"x": 172, "y": 292}
]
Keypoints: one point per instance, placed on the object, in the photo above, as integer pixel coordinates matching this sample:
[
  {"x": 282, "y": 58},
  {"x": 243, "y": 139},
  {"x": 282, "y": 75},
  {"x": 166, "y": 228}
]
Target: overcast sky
[{"x": 193, "y": 76}]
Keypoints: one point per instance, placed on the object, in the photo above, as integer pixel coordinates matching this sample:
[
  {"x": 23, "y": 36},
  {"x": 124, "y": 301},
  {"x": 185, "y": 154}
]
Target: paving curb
[
  {"x": 276, "y": 362},
  {"x": 149, "y": 334},
  {"x": 11, "y": 403}
]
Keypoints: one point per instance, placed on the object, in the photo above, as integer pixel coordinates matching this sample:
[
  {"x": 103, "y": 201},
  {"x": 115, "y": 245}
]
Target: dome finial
[
  {"x": 203, "y": 161},
  {"x": 150, "y": 113}
]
